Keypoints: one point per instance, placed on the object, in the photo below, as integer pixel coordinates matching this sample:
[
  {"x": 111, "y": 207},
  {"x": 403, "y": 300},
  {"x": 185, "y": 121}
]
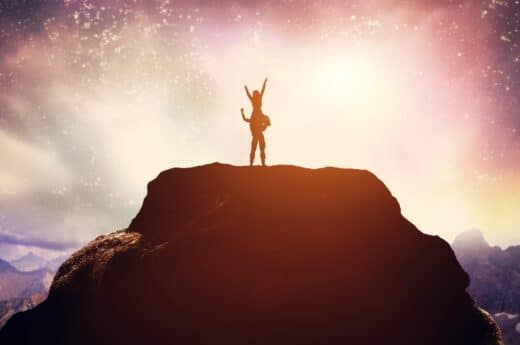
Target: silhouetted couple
[{"x": 257, "y": 123}]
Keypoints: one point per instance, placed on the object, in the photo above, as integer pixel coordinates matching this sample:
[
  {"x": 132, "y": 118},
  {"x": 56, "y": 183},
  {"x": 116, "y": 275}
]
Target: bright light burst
[{"x": 109, "y": 94}]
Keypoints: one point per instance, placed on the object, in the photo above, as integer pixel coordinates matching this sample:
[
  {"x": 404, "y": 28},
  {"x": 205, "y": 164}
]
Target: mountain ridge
[
  {"x": 6, "y": 266},
  {"x": 495, "y": 279},
  {"x": 495, "y": 272},
  {"x": 29, "y": 262},
  {"x": 236, "y": 255}
]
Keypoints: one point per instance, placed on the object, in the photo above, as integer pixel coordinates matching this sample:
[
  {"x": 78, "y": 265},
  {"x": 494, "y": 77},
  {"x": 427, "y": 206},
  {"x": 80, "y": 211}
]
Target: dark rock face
[{"x": 229, "y": 255}]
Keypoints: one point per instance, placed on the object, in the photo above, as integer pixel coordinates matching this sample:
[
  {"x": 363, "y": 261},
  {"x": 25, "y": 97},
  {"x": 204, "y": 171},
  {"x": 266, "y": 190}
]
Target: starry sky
[{"x": 98, "y": 97}]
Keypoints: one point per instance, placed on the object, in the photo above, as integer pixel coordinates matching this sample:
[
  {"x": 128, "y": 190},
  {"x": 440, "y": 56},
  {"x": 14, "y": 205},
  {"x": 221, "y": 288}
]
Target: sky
[{"x": 98, "y": 97}]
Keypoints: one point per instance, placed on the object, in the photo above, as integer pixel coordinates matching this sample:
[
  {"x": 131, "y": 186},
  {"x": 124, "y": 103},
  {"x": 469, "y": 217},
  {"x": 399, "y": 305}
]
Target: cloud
[
  {"x": 95, "y": 102},
  {"x": 27, "y": 168},
  {"x": 17, "y": 239}
]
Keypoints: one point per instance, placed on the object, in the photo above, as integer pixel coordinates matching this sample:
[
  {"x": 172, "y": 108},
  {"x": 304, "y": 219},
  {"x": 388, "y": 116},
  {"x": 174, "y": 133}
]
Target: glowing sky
[{"x": 97, "y": 97}]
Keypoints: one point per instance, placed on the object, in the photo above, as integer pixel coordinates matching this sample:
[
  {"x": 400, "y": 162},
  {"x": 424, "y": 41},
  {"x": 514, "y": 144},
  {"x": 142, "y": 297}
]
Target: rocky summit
[{"x": 220, "y": 254}]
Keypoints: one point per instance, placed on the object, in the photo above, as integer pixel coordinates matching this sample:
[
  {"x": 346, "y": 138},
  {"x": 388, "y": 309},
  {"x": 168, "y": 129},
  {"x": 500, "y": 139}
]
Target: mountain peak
[
  {"x": 180, "y": 199},
  {"x": 220, "y": 254},
  {"x": 495, "y": 273},
  {"x": 6, "y": 266},
  {"x": 471, "y": 239},
  {"x": 32, "y": 255},
  {"x": 29, "y": 262}
]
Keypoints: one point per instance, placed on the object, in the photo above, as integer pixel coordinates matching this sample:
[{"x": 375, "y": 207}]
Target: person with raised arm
[{"x": 258, "y": 122}]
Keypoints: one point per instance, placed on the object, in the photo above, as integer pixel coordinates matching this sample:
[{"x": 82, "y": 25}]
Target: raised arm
[
  {"x": 243, "y": 116},
  {"x": 263, "y": 87},
  {"x": 248, "y": 94}
]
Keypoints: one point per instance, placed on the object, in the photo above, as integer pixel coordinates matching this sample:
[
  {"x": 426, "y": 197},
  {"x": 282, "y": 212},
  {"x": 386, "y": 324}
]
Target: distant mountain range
[
  {"x": 16, "y": 284},
  {"x": 24, "y": 283},
  {"x": 510, "y": 325},
  {"x": 33, "y": 262},
  {"x": 16, "y": 305},
  {"x": 29, "y": 262},
  {"x": 494, "y": 272},
  {"x": 495, "y": 279}
]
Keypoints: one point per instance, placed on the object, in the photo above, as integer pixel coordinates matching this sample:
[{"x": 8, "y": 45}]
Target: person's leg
[
  {"x": 254, "y": 142},
  {"x": 261, "y": 139}
]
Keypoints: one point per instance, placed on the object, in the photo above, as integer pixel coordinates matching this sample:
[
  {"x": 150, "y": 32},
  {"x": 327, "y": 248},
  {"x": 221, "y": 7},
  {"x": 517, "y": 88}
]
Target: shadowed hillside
[{"x": 233, "y": 255}]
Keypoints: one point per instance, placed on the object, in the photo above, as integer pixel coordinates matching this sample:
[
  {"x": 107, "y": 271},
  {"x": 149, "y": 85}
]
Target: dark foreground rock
[{"x": 280, "y": 255}]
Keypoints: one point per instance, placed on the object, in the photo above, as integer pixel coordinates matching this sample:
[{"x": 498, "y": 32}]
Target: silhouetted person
[{"x": 257, "y": 123}]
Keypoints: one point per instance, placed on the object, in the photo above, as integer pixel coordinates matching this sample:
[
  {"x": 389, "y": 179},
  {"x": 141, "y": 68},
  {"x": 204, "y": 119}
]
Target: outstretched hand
[
  {"x": 247, "y": 93},
  {"x": 263, "y": 87}
]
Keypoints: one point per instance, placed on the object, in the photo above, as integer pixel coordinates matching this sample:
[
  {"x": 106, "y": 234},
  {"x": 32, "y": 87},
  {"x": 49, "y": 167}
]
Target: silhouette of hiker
[{"x": 257, "y": 123}]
